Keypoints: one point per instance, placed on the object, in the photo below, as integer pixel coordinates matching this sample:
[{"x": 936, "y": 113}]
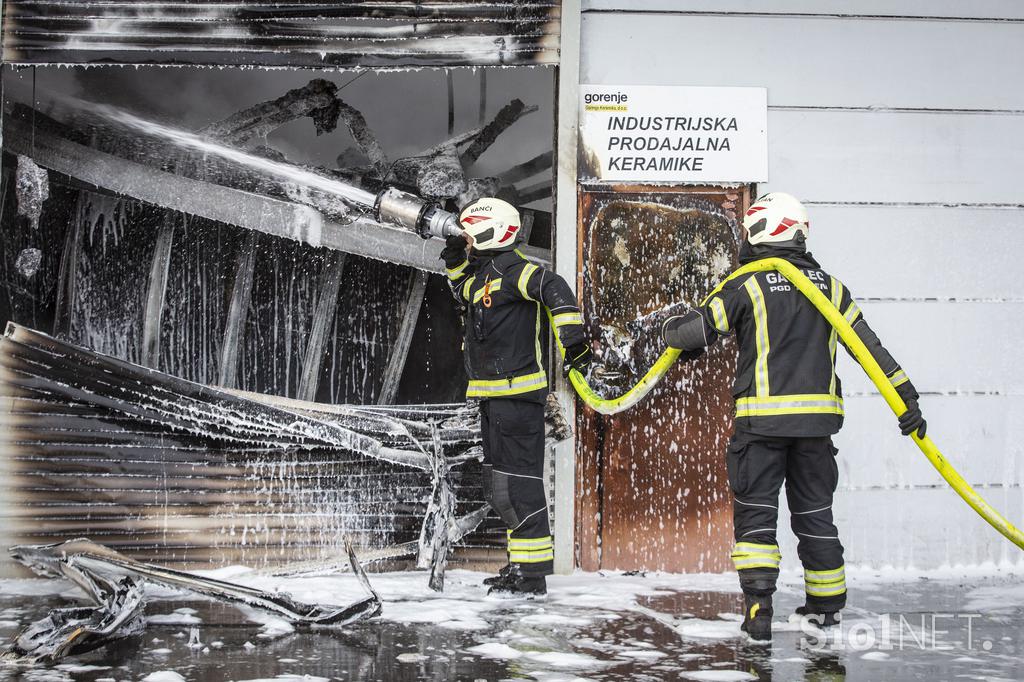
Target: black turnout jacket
[
  {"x": 506, "y": 299},
  {"x": 786, "y": 383}
]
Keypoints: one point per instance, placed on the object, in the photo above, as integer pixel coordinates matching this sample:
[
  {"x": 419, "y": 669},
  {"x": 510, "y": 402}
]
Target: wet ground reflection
[{"x": 588, "y": 628}]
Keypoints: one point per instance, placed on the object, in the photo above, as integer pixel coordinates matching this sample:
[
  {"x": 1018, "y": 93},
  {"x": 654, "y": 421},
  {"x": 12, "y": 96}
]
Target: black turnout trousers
[
  {"x": 758, "y": 466},
  {"x": 513, "y": 440}
]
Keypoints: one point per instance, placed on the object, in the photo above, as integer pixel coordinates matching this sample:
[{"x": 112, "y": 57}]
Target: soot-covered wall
[{"x": 107, "y": 243}]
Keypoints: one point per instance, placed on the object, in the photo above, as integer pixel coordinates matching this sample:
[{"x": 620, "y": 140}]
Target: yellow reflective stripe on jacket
[
  {"x": 789, "y": 404},
  {"x": 718, "y": 314},
  {"x": 825, "y": 583},
  {"x": 495, "y": 285},
  {"x": 852, "y": 311},
  {"x": 562, "y": 319},
  {"x": 467, "y": 286},
  {"x": 721, "y": 285},
  {"x": 524, "y": 279},
  {"x": 833, "y": 335},
  {"x": 456, "y": 272},
  {"x": 753, "y": 555},
  {"x": 490, "y": 388},
  {"x": 899, "y": 378},
  {"x": 536, "y": 338},
  {"x": 760, "y": 335}
]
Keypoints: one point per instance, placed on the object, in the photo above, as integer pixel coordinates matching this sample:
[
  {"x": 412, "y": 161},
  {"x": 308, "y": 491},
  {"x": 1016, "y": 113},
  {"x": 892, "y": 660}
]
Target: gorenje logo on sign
[{"x": 605, "y": 101}]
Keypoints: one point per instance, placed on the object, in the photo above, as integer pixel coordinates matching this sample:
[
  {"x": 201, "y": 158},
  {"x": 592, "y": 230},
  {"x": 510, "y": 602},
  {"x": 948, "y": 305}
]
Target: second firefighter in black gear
[
  {"x": 788, "y": 405},
  {"x": 506, "y": 299}
]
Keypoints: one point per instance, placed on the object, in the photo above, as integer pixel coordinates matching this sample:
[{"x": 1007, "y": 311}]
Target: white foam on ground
[
  {"x": 44, "y": 675},
  {"x": 495, "y": 650},
  {"x": 272, "y": 627},
  {"x": 718, "y": 675},
  {"x": 163, "y": 676},
  {"x": 642, "y": 654},
  {"x": 695, "y": 628},
  {"x": 34, "y": 587},
  {"x": 179, "y": 617},
  {"x": 288, "y": 678},
  {"x": 875, "y": 656},
  {"x": 541, "y": 640},
  {"x": 562, "y": 659},
  {"x": 553, "y": 619},
  {"x": 549, "y": 676}
]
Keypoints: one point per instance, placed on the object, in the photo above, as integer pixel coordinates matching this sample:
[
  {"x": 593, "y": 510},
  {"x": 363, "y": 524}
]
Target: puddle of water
[{"x": 636, "y": 638}]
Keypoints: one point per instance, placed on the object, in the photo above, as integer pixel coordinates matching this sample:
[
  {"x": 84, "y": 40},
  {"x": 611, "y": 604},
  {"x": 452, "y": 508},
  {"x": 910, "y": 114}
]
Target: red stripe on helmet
[
  {"x": 474, "y": 219},
  {"x": 784, "y": 225},
  {"x": 509, "y": 231}
]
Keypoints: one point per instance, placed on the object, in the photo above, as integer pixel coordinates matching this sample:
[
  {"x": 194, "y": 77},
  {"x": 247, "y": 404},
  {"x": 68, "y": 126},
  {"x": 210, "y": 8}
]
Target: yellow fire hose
[{"x": 862, "y": 355}]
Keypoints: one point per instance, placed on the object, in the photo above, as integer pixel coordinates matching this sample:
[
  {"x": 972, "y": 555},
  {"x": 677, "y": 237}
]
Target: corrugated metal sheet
[
  {"x": 281, "y": 33},
  {"x": 182, "y": 474}
]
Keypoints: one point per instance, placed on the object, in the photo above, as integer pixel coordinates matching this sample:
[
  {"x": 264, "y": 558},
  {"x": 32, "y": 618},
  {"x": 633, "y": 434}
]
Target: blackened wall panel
[{"x": 293, "y": 34}]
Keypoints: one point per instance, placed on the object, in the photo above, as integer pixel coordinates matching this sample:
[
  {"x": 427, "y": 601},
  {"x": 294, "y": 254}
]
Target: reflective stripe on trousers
[
  {"x": 530, "y": 550},
  {"x": 825, "y": 583},
  {"x": 755, "y": 555}
]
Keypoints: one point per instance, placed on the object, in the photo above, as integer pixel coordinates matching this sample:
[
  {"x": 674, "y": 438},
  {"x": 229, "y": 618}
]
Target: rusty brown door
[{"x": 651, "y": 482}]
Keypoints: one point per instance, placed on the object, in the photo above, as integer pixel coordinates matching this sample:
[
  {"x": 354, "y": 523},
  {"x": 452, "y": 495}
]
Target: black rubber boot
[
  {"x": 519, "y": 585},
  {"x": 757, "y": 617},
  {"x": 501, "y": 577},
  {"x": 820, "y": 617}
]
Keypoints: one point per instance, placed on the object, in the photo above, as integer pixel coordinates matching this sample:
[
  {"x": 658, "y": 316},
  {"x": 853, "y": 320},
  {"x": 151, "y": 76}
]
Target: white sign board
[{"x": 650, "y": 133}]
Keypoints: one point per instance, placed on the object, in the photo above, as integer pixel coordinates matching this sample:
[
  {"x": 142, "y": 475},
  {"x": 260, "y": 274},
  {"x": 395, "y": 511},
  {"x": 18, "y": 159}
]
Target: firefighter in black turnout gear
[
  {"x": 505, "y": 297},
  {"x": 788, "y": 405}
]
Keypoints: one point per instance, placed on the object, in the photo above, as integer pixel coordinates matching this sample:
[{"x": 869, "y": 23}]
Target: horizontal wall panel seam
[
  {"x": 896, "y": 110},
  {"x": 807, "y": 15}
]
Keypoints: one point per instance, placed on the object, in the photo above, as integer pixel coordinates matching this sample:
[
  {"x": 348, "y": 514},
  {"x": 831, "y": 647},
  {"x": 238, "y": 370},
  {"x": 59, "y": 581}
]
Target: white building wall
[{"x": 901, "y": 124}]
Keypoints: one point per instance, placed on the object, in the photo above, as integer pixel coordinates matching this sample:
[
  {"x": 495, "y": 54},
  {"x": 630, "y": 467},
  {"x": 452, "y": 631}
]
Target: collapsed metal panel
[
  {"x": 381, "y": 34},
  {"x": 172, "y": 472}
]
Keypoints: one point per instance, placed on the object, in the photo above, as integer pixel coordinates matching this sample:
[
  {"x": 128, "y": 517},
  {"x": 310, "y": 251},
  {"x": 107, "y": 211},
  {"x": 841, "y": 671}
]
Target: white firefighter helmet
[
  {"x": 492, "y": 223},
  {"x": 775, "y": 217}
]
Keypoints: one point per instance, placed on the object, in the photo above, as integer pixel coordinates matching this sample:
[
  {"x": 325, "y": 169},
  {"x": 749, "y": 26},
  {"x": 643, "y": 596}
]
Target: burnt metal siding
[
  {"x": 175, "y": 473},
  {"x": 281, "y": 34}
]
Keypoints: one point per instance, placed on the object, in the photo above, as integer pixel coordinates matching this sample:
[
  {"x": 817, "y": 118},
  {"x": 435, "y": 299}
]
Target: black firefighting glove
[
  {"x": 577, "y": 357},
  {"x": 685, "y": 332},
  {"x": 912, "y": 420},
  {"x": 454, "y": 252}
]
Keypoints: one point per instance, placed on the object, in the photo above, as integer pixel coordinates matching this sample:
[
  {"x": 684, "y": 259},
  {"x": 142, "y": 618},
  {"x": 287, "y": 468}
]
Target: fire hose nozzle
[{"x": 410, "y": 212}]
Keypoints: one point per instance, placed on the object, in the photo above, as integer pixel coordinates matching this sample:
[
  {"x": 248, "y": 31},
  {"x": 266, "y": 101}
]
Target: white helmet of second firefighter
[{"x": 775, "y": 217}]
